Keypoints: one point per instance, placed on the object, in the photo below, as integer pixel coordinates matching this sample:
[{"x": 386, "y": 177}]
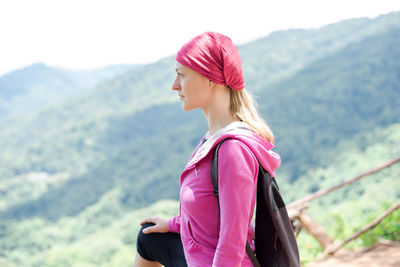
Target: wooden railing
[{"x": 301, "y": 219}]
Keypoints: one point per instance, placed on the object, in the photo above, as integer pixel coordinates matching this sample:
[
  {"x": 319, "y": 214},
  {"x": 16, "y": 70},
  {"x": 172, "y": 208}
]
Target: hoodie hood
[{"x": 243, "y": 132}]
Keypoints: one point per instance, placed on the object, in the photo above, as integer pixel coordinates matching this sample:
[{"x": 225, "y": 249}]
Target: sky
[{"x": 87, "y": 34}]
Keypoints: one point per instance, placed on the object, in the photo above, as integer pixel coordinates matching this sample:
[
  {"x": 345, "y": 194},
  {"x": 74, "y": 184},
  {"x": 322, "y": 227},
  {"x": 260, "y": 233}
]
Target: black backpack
[{"x": 275, "y": 241}]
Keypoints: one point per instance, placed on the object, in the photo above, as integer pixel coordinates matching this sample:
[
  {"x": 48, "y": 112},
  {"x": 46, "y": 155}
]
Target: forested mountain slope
[
  {"x": 38, "y": 86},
  {"x": 130, "y": 133}
]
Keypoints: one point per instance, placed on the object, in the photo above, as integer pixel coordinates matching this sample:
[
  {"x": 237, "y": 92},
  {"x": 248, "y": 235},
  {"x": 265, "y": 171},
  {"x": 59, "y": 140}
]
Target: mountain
[
  {"x": 130, "y": 133},
  {"x": 38, "y": 86},
  {"x": 282, "y": 53},
  {"x": 79, "y": 170},
  {"x": 346, "y": 93}
]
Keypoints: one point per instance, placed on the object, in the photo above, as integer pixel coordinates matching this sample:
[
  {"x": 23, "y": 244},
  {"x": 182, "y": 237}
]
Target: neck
[{"x": 218, "y": 113}]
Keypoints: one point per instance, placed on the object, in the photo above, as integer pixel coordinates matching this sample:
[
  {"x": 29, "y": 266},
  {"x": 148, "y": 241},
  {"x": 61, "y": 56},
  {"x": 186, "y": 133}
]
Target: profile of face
[{"x": 193, "y": 88}]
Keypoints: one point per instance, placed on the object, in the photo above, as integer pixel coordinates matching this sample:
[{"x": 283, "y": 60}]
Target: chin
[{"x": 187, "y": 108}]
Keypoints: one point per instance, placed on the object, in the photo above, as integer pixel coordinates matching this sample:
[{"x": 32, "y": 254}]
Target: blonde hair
[{"x": 243, "y": 108}]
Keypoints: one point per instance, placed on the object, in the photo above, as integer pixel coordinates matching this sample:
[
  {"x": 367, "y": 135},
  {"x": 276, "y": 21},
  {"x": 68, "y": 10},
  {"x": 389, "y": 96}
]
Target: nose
[{"x": 176, "y": 85}]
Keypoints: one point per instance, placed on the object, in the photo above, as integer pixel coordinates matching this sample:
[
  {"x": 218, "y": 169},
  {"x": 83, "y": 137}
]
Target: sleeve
[
  {"x": 237, "y": 181},
  {"x": 174, "y": 224}
]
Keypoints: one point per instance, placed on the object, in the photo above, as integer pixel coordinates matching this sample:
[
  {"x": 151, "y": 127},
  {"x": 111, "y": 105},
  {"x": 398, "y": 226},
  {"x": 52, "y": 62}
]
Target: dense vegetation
[
  {"x": 32, "y": 88},
  {"x": 348, "y": 209},
  {"x": 77, "y": 176},
  {"x": 349, "y": 92},
  {"x": 105, "y": 233}
]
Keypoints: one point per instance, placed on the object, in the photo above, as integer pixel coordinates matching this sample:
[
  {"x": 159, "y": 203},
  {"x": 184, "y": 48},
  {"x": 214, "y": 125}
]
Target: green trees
[{"x": 330, "y": 96}]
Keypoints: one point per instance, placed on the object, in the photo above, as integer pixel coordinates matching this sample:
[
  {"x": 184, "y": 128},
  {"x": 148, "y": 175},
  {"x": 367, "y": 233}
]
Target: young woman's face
[{"x": 192, "y": 87}]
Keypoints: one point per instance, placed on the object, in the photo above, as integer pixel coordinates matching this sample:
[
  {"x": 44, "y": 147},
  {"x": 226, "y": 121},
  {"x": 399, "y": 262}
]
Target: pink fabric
[
  {"x": 210, "y": 239},
  {"x": 216, "y": 57}
]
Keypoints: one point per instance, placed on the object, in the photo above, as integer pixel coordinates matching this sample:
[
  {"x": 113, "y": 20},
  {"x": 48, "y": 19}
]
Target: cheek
[
  {"x": 204, "y": 95},
  {"x": 200, "y": 95},
  {"x": 191, "y": 88},
  {"x": 196, "y": 92}
]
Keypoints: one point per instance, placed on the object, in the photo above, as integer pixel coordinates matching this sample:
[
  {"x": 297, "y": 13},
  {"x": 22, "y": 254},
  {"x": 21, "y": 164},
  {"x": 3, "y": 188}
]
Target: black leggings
[{"x": 165, "y": 248}]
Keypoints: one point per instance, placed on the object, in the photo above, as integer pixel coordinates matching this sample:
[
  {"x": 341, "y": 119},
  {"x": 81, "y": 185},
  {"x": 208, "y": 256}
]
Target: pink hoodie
[{"x": 210, "y": 238}]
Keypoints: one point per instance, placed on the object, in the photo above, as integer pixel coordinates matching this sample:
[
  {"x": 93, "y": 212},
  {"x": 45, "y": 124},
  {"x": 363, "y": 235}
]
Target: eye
[{"x": 179, "y": 74}]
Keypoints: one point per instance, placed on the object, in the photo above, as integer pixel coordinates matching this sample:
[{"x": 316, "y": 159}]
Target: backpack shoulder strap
[
  {"x": 276, "y": 232},
  {"x": 214, "y": 169},
  {"x": 214, "y": 177}
]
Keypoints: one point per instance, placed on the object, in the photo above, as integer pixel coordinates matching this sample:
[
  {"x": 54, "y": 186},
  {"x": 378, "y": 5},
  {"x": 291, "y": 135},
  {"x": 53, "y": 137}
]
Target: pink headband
[{"x": 216, "y": 57}]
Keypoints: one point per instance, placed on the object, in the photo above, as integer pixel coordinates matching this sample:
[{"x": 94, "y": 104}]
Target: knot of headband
[{"x": 216, "y": 57}]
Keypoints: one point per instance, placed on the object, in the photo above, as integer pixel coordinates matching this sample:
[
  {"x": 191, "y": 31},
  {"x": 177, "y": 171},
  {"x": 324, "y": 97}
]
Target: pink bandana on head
[{"x": 216, "y": 57}]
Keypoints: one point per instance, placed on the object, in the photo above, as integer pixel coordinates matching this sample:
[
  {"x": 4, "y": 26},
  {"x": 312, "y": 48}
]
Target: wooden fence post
[{"x": 315, "y": 229}]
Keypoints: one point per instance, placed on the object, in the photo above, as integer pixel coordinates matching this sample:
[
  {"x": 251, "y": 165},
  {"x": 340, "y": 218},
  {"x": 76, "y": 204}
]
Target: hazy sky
[{"x": 84, "y": 34}]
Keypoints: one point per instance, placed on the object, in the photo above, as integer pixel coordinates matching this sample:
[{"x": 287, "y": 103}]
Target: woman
[{"x": 209, "y": 77}]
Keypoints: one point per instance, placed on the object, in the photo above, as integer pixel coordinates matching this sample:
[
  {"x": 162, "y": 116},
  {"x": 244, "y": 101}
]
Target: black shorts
[{"x": 166, "y": 248}]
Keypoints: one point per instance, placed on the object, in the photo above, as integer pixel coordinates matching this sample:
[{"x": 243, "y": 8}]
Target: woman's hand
[{"x": 161, "y": 225}]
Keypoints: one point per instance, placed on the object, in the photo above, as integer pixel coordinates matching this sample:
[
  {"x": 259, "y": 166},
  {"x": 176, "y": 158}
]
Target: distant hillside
[
  {"x": 346, "y": 93},
  {"x": 38, "y": 86},
  {"x": 282, "y": 53},
  {"x": 130, "y": 132}
]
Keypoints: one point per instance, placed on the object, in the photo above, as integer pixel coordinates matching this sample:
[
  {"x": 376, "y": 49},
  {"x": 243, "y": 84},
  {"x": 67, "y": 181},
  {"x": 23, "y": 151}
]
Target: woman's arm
[
  {"x": 174, "y": 224},
  {"x": 237, "y": 180}
]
